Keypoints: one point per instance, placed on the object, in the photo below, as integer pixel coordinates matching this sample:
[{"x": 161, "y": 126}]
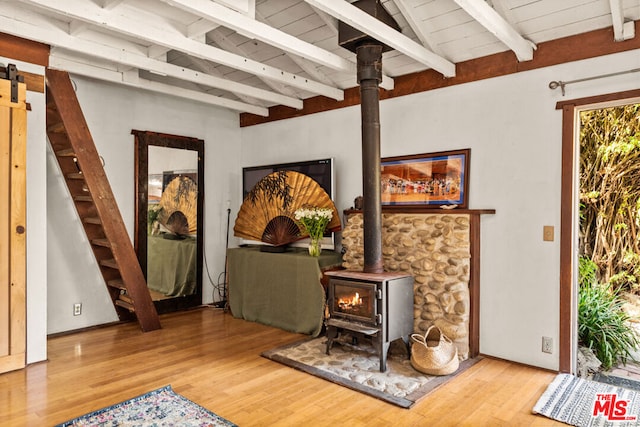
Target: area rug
[
  {"x": 584, "y": 403},
  {"x": 358, "y": 368},
  {"x": 159, "y": 408}
]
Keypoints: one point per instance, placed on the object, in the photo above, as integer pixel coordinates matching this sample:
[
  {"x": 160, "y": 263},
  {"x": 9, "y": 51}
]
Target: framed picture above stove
[{"x": 431, "y": 180}]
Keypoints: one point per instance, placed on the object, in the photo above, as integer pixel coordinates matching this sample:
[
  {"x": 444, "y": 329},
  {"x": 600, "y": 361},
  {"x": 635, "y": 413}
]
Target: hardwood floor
[{"x": 214, "y": 359}]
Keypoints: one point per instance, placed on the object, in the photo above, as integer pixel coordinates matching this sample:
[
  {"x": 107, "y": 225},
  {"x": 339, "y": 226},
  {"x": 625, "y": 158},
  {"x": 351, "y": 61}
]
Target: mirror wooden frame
[{"x": 144, "y": 139}]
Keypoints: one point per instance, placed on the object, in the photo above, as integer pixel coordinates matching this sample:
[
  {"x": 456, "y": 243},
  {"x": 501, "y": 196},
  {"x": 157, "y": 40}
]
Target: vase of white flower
[
  {"x": 313, "y": 221},
  {"x": 315, "y": 247}
]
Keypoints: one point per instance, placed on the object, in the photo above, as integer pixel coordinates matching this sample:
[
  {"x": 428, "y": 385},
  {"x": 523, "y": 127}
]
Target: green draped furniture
[
  {"x": 279, "y": 289},
  {"x": 171, "y": 265}
]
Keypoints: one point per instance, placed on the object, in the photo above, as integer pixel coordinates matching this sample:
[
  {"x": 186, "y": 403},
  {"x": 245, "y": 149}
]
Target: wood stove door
[{"x": 356, "y": 301}]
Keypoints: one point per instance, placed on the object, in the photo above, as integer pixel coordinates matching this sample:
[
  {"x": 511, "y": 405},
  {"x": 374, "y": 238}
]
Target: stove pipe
[
  {"x": 369, "y": 54},
  {"x": 369, "y": 77}
]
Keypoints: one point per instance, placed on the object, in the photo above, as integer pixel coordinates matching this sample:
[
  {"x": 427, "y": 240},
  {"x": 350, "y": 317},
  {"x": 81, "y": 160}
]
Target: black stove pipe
[{"x": 369, "y": 75}]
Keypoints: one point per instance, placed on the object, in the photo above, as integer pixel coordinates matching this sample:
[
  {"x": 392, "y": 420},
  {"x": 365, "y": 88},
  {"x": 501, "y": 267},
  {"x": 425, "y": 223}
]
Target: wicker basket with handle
[{"x": 434, "y": 353}]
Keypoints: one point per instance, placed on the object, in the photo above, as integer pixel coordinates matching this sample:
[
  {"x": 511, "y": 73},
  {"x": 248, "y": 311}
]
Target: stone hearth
[{"x": 436, "y": 250}]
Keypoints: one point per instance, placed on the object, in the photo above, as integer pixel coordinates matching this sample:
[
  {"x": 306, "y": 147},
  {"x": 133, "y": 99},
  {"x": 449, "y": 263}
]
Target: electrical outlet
[
  {"x": 77, "y": 309},
  {"x": 547, "y": 345}
]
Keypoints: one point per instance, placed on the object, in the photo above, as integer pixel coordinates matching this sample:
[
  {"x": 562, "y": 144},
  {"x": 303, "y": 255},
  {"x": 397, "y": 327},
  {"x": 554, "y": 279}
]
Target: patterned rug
[
  {"x": 159, "y": 408},
  {"x": 586, "y": 403},
  {"x": 358, "y": 368}
]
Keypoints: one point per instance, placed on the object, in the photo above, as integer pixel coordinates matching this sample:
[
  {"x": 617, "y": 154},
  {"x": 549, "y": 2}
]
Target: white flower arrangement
[{"x": 313, "y": 220}]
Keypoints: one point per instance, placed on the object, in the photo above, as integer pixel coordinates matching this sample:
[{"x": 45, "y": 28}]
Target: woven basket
[{"x": 433, "y": 353}]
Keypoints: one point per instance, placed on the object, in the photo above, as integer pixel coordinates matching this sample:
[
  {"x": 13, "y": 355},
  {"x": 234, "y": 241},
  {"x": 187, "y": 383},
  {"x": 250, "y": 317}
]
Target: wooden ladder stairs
[{"x": 84, "y": 174}]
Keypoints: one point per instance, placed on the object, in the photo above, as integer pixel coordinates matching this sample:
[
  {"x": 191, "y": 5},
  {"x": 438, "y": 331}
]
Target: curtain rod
[{"x": 560, "y": 84}]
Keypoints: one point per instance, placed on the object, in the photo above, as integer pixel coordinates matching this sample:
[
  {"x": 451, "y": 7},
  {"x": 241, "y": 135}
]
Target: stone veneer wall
[{"x": 435, "y": 250}]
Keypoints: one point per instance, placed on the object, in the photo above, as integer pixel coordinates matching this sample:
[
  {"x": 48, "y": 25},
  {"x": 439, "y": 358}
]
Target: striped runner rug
[{"x": 586, "y": 403}]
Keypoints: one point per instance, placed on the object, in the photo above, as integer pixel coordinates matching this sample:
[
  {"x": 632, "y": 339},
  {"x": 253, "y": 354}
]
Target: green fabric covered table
[
  {"x": 171, "y": 265},
  {"x": 279, "y": 289}
]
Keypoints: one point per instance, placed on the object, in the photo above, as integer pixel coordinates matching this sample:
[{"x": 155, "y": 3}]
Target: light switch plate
[{"x": 547, "y": 233}]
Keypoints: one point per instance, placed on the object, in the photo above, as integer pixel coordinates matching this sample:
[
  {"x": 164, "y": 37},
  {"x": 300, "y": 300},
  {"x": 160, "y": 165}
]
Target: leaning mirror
[{"x": 168, "y": 228}]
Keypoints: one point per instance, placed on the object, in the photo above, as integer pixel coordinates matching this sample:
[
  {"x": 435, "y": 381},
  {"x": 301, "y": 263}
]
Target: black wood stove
[
  {"x": 378, "y": 306},
  {"x": 371, "y": 303}
]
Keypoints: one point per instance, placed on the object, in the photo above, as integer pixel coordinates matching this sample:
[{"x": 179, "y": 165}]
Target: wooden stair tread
[
  {"x": 126, "y": 298},
  {"x": 116, "y": 283},
  {"x": 125, "y": 305},
  {"x": 111, "y": 263},
  {"x": 75, "y": 175},
  {"x": 101, "y": 242},
  {"x": 56, "y": 128},
  {"x": 83, "y": 198},
  {"x": 67, "y": 152},
  {"x": 92, "y": 220}
]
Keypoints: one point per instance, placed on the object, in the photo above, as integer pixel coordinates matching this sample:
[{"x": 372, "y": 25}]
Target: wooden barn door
[{"x": 13, "y": 141}]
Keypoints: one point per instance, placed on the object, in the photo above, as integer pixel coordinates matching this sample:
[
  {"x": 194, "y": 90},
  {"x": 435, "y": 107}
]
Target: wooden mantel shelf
[{"x": 419, "y": 210}]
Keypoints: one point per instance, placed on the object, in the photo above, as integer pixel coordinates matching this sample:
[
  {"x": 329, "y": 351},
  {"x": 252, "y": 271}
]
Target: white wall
[
  {"x": 36, "y": 219},
  {"x": 164, "y": 159},
  {"x": 510, "y": 124},
  {"x": 514, "y": 132},
  {"x": 111, "y": 112}
]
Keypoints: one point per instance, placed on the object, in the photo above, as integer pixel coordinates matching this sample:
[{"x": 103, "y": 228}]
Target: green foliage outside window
[
  {"x": 603, "y": 325},
  {"x": 610, "y": 193}
]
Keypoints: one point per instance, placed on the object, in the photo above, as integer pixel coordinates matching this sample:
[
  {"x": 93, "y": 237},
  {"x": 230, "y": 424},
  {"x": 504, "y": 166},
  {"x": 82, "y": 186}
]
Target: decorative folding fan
[
  {"x": 179, "y": 202},
  {"x": 267, "y": 213}
]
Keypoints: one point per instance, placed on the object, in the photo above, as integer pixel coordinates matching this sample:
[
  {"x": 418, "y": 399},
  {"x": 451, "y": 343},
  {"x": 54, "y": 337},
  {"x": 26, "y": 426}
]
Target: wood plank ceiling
[{"x": 249, "y": 55}]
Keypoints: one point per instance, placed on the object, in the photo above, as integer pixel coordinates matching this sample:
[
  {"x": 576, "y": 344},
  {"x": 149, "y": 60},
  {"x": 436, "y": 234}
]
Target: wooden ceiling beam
[
  {"x": 417, "y": 26},
  {"x": 353, "y": 16},
  {"x": 596, "y": 43},
  {"x": 253, "y": 29},
  {"x": 148, "y": 28},
  {"x": 57, "y": 37},
  {"x": 59, "y": 61},
  {"x": 24, "y": 49},
  {"x": 622, "y": 30},
  {"x": 499, "y": 27}
]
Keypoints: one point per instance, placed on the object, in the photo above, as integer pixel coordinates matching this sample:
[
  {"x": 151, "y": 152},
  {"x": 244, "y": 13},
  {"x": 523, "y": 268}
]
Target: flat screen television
[{"x": 320, "y": 170}]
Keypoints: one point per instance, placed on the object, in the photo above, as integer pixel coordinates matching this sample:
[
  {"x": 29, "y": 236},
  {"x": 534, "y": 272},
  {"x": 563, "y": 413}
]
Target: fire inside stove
[
  {"x": 354, "y": 300},
  {"x": 350, "y": 304}
]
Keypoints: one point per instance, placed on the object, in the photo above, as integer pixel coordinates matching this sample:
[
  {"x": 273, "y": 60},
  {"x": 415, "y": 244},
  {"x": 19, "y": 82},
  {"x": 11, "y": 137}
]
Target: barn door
[{"x": 13, "y": 141}]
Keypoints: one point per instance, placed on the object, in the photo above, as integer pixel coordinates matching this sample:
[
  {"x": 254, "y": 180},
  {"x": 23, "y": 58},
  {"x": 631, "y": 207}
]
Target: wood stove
[
  {"x": 372, "y": 303},
  {"x": 378, "y": 306}
]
